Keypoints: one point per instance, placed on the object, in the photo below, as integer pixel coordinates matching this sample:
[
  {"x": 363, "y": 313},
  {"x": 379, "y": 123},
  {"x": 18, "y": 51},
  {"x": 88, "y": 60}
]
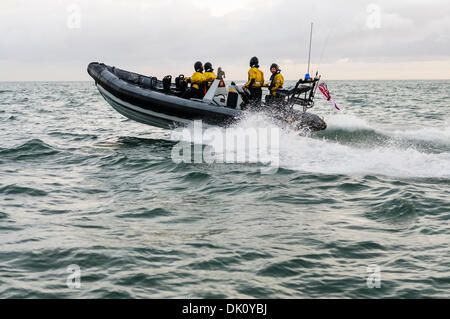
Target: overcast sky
[{"x": 353, "y": 39}]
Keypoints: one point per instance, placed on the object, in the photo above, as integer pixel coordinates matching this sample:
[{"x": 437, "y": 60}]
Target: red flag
[{"x": 324, "y": 89}]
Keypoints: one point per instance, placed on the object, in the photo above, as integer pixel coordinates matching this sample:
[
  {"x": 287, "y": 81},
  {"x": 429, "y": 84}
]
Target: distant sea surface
[{"x": 367, "y": 199}]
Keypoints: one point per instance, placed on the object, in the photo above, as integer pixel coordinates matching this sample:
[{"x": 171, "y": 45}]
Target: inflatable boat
[{"x": 165, "y": 104}]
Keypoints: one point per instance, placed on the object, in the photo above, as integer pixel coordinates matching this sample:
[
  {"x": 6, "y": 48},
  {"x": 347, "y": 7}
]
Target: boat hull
[
  {"x": 129, "y": 95},
  {"x": 139, "y": 114},
  {"x": 154, "y": 107}
]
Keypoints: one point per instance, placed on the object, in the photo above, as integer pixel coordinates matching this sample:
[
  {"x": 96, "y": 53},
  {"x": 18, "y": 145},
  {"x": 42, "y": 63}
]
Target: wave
[
  {"x": 435, "y": 135},
  {"x": 31, "y": 149},
  {"x": 19, "y": 190},
  {"x": 376, "y": 152},
  {"x": 397, "y": 212},
  {"x": 322, "y": 156},
  {"x": 352, "y": 124}
]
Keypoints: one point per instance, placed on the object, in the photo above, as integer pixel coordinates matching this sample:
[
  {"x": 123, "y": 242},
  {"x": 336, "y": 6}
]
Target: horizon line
[{"x": 54, "y": 81}]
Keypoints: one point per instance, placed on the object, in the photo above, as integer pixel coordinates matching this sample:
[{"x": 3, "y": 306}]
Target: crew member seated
[
  {"x": 255, "y": 82},
  {"x": 196, "y": 80},
  {"x": 276, "y": 82},
  {"x": 209, "y": 75}
]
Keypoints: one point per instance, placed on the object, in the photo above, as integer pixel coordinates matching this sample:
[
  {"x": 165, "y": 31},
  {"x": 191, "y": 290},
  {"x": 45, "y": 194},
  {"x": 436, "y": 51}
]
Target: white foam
[
  {"x": 309, "y": 154},
  {"x": 320, "y": 156},
  {"x": 352, "y": 123},
  {"x": 348, "y": 122},
  {"x": 435, "y": 135}
]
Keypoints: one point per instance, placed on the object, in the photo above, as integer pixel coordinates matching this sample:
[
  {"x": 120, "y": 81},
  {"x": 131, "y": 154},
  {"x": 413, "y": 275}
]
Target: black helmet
[
  {"x": 254, "y": 62},
  {"x": 208, "y": 67},
  {"x": 274, "y": 65},
  {"x": 198, "y": 66}
]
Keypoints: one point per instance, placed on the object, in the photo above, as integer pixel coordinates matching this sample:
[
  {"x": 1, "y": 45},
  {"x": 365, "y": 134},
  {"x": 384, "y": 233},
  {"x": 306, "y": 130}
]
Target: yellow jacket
[
  {"x": 196, "y": 79},
  {"x": 255, "y": 78},
  {"x": 275, "y": 84},
  {"x": 209, "y": 77}
]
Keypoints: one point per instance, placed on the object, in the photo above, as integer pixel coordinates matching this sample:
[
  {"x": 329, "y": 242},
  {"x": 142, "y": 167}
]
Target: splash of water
[{"x": 324, "y": 156}]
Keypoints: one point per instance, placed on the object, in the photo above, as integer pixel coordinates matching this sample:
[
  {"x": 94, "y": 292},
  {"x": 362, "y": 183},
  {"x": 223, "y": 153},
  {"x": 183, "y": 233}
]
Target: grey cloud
[{"x": 176, "y": 32}]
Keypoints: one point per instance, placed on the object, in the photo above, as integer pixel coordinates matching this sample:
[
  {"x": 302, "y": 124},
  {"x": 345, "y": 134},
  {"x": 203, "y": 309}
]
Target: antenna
[{"x": 310, "y": 41}]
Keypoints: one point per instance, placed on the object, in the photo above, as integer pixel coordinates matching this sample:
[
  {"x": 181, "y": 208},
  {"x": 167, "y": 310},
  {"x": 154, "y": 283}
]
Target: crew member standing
[
  {"x": 276, "y": 82},
  {"x": 255, "y": 81}
]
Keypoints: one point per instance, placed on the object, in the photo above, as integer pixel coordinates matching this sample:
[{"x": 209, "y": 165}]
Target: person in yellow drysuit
[
  {"x": 196, "y": 81},
  {"x": 209, "y": 75},
  {"x": 276, "y": 82},
  {"x": 255, "y": 81}
]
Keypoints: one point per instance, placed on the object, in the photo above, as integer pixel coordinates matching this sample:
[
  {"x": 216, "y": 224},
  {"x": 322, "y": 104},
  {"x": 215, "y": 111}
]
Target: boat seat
[
  {"x": 167, "y": 81},
  {"x": 147, "y": 82},
  {"x": 293, "y": 90},
  {"x": 126, "y": 76}
]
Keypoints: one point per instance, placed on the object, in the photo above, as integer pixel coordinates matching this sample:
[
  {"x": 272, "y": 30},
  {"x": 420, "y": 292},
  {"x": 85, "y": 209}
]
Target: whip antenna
[{"x": 310, "y": 41}]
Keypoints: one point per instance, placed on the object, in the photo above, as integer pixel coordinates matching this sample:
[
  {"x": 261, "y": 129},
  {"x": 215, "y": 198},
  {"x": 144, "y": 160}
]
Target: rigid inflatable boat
[{"x": 163, "y": 104}]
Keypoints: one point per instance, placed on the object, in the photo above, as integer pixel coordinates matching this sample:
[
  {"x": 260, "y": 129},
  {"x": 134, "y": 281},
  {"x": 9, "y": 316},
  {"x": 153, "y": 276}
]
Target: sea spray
[{"x": 311, "y": 154}]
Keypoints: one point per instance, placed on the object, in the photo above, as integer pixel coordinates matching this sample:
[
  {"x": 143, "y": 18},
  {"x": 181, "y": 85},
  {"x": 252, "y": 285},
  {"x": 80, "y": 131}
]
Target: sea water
[{"x": 92, "y": 204}]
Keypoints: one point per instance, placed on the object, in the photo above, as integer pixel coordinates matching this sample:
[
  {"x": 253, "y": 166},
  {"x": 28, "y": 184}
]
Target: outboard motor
[{"x": 311, "y": 122}]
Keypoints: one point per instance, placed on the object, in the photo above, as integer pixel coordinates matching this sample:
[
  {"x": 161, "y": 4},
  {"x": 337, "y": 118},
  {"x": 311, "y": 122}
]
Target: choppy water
[{"x": 80, "y": 184}]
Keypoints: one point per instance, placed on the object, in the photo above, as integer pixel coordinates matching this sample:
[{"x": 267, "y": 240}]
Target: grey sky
[{"x": 42, "y": 40}]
